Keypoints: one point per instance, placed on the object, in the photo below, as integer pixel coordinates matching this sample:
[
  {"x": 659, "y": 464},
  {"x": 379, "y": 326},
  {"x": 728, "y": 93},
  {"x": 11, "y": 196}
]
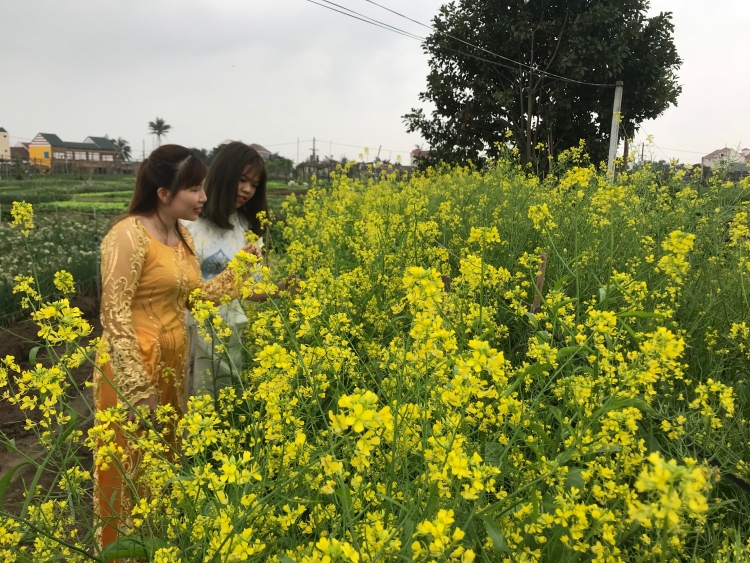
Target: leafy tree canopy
[{"x": 479, "y": 97}]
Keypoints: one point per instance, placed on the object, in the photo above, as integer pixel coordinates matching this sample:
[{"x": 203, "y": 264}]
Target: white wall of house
[
  {"x": 4, "y": 145},
  {"x": 728, "y": 155}
]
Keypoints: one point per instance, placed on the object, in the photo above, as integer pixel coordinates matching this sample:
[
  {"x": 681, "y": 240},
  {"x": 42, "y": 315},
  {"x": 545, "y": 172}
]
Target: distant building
[
  {"x": 417, "y": 155},
  {"x": 739, "y": 161},
  {"x": 264, "y": 153},
  {"x": 47, "y": 149},
  {"x": 20, "y": 150},
  {"x": 725, "y": 155},
  {"x": 314, "y": 166},
  {"x": 4, "y": 145}
]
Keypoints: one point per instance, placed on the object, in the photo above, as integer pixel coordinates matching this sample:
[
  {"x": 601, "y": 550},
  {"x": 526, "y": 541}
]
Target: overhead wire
[
  {"x": 377, "y": 22},
  {"x": 533, "y": 70},
  {"x": 529, "y": 67},
  {"x": 373, "y": 22},
  {"x": 407, "y": 34}
]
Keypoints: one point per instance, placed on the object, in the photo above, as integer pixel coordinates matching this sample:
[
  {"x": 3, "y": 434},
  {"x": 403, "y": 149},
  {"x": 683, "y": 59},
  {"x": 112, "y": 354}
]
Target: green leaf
[
  {"x": 639, "y": 315},
  {"x": 562, "y": 281},
  {"x": 33, "y": 354},
  {"x": 123, "y": 548},
  {"x": 563, "y": 353},
  {"x": 574, "y": 479},
  {"x": 495, "y": 534},
  {"x": 620, "y": 403},
  {"x": 131, "y": 547},
  {"x": 539, "y": 431},
  {"x": 345, "y": 496},
  {"x": 408, "y": 533},
  {"x": 73, "y": 424},
  {"x": 493, "y": 453},
  {"x": 285, "y": 559},
  {"x": 5, "y": 481},
  {"x": 432, "y": 502},
  {"x": 532, "y": 318}
]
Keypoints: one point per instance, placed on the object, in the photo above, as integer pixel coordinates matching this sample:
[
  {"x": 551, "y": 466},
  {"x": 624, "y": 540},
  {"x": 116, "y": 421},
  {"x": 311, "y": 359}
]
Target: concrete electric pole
[{"x": 614, "y": 136}]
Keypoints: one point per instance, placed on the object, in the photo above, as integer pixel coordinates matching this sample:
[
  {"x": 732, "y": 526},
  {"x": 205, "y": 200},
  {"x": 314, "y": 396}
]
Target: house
[
  {"x": 4, "y": 144},
  {"x": 417, "y": 155},
  {"x": 264, "y": 153},
  {"x": 20, "y": 150},
  {"x": 315, "y": 167},
  {"x": 725, "y": 155},
  {"x": 46, "y": 150}
]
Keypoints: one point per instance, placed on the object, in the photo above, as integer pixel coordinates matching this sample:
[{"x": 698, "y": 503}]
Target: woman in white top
[{"x": 236, "y": 192}]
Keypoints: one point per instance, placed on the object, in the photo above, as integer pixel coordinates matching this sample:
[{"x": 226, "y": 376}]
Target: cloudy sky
[{"x": 275, "y": 71}]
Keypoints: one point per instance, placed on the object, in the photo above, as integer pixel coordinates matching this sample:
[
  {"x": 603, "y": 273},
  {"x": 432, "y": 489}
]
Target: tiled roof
[
  {"x": 91, "y": 143},
  {"x": 102, "y": 143},
  {"x": 2, "y": 130},
  {"x": 719, "y": 153},
  {"x": 259, "y": 148},
  {"x": 53, "y": 139}
]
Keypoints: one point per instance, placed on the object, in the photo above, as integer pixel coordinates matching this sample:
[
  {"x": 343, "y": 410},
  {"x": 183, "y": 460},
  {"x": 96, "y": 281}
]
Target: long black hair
[
  {"x": 222, "y": 182},
  {"x": 172, "y": 167}
]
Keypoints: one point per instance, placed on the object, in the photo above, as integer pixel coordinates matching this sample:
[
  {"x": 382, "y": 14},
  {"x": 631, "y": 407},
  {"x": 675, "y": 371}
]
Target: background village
[{"x": 47, "y": 153}]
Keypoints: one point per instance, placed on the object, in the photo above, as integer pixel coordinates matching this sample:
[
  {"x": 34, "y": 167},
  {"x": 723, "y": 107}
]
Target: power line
[
  {"x": 530, "y": 68},
  {"x": 680, "y": 150},
  {"x": 285, "y": 144},
  {"x": 361, "y": 147},
  {"x": 373, "y": 22},
  {"x": 409, "y": 35}
]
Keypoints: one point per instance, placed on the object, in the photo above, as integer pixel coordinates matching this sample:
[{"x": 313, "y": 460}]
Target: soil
[{"x": 18, "y": 340}]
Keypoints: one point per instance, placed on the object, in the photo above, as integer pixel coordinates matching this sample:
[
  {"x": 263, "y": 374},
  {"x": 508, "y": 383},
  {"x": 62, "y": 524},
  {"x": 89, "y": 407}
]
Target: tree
[
  {"x": 201, "y": 154},
  {"x": 159, "y": 128},
  {"x": 480, "y": 99},
  {"x": 279, "y": 167},
  {"x": 213, "y": 153},
  {"x": 123, "y": 149}
]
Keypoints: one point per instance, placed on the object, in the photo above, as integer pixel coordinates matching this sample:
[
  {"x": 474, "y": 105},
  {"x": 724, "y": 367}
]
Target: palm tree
[
  {"x": 159, "y": 128},
  {"x": 123, "y": 148}
]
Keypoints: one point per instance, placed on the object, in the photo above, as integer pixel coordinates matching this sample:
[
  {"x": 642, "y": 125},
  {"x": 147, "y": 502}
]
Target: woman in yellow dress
[{"x": 149, "y": 269}]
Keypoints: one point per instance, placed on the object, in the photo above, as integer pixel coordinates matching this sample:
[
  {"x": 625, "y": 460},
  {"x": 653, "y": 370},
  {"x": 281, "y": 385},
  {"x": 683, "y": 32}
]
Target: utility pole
[
  {"x": 643, "y": 150},
  {"x": 143, "y": 158},
  {"x": 614, "y": 135},
  {"x": 313, "y": 150},
  {"x": 378, "y": 157},
  {"x": 297, "y": 150}
]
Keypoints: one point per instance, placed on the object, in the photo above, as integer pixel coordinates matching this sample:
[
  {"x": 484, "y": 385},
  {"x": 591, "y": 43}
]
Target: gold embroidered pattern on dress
[
  {"x": 145, "y": 289},
  {"x": 124, "y": 251}
]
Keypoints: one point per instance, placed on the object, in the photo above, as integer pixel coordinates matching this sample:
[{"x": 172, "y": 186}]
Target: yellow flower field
[{"x": 411, "y": 404}]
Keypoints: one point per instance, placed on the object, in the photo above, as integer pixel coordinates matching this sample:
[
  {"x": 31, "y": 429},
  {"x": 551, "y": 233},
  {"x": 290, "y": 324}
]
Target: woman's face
[
  {"x": 186, "y": 204},
  {"x": 248, "y": 185}
]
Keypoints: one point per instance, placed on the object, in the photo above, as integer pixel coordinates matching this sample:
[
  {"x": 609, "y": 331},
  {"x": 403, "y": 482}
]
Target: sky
[{"x": 277, "y": 71}]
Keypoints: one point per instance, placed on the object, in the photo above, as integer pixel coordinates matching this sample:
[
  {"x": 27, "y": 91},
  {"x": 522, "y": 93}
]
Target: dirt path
[{"x": 18, "y": 341}]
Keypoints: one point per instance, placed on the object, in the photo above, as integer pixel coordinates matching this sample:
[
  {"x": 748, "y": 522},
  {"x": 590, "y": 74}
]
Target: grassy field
[
  {"x": 77, "y": 192},
  {"x": 80, "y": 208}
]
